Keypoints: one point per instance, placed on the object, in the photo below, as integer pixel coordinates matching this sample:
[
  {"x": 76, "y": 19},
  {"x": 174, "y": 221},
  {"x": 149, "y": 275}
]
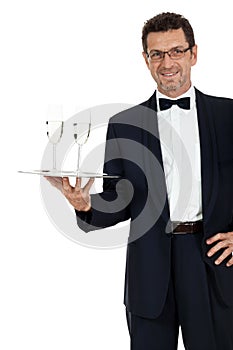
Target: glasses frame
[{"x": 163, "y": 53}]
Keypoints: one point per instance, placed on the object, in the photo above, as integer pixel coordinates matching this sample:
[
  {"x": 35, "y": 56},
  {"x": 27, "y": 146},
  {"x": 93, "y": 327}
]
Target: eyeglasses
[{"x": 175, "y": 54}]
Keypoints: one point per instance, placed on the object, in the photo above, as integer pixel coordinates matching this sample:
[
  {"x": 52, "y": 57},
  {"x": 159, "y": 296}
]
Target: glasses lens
[
  {"x": 176, "y": 53},
  {"x": 156, "y": 55}
]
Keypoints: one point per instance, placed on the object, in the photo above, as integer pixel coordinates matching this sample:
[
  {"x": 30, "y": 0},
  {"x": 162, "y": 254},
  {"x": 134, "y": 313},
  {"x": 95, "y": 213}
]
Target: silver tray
[{"x": 67, "y": 173}]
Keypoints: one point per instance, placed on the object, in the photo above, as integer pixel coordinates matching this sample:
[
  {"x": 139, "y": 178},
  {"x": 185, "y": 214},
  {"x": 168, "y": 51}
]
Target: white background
[{"x": 56, "y": 294}]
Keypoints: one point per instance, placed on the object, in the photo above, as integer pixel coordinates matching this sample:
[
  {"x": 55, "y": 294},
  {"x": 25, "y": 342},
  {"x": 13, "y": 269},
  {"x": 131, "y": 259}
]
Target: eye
[
  {"x": 177, "y": 52},
  {"x": 155, "y": 54}
]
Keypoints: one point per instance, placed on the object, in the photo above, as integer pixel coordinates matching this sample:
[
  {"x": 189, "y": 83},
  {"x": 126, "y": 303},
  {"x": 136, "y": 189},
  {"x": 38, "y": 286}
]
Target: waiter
[{"x": 180, "y": 200}]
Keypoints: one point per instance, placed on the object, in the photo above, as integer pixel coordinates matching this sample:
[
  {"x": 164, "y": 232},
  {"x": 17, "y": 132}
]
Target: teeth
[{"x": 169, "y": 74}]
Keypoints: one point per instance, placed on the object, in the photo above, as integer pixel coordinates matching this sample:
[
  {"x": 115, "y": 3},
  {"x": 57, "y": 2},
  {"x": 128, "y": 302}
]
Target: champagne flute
[
  {"x": 54, "y": 133},
  {"x": 81, "y": 135}
]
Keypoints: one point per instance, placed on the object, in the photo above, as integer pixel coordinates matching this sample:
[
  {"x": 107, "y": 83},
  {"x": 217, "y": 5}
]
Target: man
[{"x": 179, "y": 264}]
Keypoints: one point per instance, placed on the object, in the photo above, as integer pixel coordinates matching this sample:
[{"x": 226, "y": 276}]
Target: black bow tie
[{"x": 165, "y": 103}]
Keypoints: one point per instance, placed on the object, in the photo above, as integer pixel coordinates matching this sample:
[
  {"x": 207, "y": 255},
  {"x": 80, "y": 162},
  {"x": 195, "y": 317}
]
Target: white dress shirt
[{"x": 180, "y": 144}]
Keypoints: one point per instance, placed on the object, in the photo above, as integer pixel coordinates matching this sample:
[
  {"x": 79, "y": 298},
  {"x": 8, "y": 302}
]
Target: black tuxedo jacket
[{"x": 133, "y": 151}]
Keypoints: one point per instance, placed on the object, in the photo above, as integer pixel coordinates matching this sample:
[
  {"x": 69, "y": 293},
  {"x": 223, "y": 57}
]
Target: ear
[
  {"x": 194, "y": 55},
  {"x": 145, "y": 58}
]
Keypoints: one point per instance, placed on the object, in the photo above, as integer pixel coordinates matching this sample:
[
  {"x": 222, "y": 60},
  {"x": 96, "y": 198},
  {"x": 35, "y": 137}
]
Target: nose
[{"x": 167, "y": 61}]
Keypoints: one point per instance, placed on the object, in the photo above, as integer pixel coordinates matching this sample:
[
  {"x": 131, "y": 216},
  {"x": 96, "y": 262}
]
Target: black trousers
[{"x": 192, "y": 304}]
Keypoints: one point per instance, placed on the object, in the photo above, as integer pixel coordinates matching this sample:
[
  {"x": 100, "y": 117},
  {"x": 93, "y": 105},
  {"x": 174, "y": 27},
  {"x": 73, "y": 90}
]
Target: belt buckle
[
  {"x": 189, "y": 224},
  {"x": 174, "y": 225}
]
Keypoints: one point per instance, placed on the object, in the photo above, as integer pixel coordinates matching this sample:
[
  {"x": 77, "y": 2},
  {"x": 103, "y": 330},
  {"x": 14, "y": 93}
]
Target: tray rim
[{"x": 67, "y": 173}]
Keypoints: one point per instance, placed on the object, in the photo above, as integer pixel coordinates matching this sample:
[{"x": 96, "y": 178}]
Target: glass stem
[
  {"x": 79, "y": 156},
  {"x": 54, "y": 157}
]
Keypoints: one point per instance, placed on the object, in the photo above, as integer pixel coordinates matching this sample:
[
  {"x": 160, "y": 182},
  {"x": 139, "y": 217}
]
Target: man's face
[{"x": 173, "y": 77}]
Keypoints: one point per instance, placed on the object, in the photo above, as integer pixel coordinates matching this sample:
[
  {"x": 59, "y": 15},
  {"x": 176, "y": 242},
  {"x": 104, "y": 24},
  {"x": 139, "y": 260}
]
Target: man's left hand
[{"x": 224, "y": 241}]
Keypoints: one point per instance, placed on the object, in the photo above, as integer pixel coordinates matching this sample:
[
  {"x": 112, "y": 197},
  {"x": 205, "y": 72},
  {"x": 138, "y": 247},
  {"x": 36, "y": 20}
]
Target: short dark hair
[{"x": 164, "y": 22}]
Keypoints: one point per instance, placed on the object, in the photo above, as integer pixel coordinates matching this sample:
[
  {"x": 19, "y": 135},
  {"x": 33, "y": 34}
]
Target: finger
[
  {"x": 52, "y": 178},
  {"x": 78, "y": 184},
  {"x": 88, "y": 185},
  {"x": 215, "y": 238},
  {"x": 216, "y": 248},
  {"x": 230, "y": 262},
  {"x": 54, "y": 181},
  {"x": 223, "y": 256},
  {"x": 66, "y": 184}
]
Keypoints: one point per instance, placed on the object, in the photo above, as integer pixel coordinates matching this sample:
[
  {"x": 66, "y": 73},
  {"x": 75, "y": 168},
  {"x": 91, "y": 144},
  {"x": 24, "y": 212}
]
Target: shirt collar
[{"x": 190, "y": 93}]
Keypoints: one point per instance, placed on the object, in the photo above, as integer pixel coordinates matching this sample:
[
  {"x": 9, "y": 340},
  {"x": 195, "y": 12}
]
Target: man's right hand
[{"x": 78, "y": 197}]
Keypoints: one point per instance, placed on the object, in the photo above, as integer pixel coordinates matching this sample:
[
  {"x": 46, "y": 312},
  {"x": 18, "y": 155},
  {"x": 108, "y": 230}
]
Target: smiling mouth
[{"x": 169, "y": 74}]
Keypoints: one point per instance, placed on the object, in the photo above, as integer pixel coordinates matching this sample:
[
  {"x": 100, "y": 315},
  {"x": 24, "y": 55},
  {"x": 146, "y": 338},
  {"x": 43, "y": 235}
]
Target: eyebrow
[{"x": 175, "y": 47}]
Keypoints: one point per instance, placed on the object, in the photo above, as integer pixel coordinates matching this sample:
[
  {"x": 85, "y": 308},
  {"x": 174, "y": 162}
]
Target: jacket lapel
[
  {"x": 153, "y": 163},
  {"x": 209, "y": 161}
]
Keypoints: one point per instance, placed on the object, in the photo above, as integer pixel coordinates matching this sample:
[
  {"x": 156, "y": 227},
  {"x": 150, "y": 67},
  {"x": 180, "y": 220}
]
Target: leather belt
[{"x": 187, "y": 227}]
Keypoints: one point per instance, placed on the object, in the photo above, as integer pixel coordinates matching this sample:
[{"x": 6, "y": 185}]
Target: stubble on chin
[{"x": 172, "y": 86}]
